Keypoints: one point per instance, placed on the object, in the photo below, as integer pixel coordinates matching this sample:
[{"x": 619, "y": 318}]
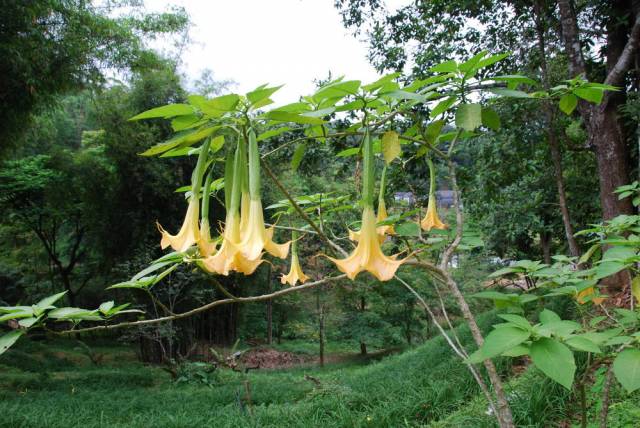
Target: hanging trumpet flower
[
  {"x": 384, "y": 230},
  {"x": 295, "y": 274},
  {"x": 230, "y": 257},
  {"x": 368, "y": 255},
  {"x": 255, "y": 237},
  {"x": 431, "y": 219},
  {"x": 206, "y": 246},
  {"x": 189, "y": 233}
]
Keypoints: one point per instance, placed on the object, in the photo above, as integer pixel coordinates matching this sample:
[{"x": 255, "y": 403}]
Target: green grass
[{"x": 421, "y": 386}]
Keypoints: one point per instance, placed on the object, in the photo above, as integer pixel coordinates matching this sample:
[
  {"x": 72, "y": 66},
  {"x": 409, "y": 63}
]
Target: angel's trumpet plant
[
  {"x": 255, "y": 237},
  {"x": 206, "y": 246},
  {"x": 431, "y": 219},
  {"x": 230, "y": 257},
  {"x": 295, "y": 274},
  {"x": 383, "y": 230},
  {"x": 189, "y": 233},
  {"x": 368, "y": 255}
]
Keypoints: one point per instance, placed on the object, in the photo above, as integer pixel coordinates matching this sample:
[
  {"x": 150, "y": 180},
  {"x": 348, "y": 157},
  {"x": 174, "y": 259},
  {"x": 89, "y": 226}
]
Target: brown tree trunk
[
  {"x": 545, "y": 244},
  {"x": 552, "y": 137}
]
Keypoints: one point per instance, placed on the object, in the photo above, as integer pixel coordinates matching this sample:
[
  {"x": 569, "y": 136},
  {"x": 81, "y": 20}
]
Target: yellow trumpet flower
[
  {"x": 431, "y": 219},
  {"x": 382, "y": 215},
  {"x": 229, "y": 257},
  {"x": 189, "y": 233},
  {"x": 295, "y": 274},
  {"x": 368, "y": 255},
  {"x": 255, "y": 237},
  {"x": 382, "y": 231},
  {"x": 206, "y": 246}
]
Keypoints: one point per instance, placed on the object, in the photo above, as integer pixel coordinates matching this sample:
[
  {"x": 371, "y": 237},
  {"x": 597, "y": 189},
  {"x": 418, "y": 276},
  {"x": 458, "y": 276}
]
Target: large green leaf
[
  {"x": 490, "y": 119},
  {"x": 259, "y": 94},
  {"x": 590, "y": 94},
  {"x": 442, "y": 106},
  {"x": 626, "y": 367},
  {"x": 298, "y": 154},
  {"x": 285, "y": 116},
  {"x": 502, "y": 339},
  {"x": 48, "y": 301},
  {"x": 337, "y": 90},
  {"x": 9, "y": 339},
  {"x": 469, "y": 116},
  {"x": 445, "y": 67},
  {"x": 568, "y": 103},
  {"x": 170, "y": 110},
  {"x": 554, "y": 360}
]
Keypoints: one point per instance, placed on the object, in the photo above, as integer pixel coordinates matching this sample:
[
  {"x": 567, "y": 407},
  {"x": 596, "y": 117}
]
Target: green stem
[
  {"x": 228, "y": 177},
  {"x": 196, "y": 178},
  {"x": 206, "y": 193},
  {"x": 237, "y": 172},
  {"x": 294, "y": 243},
  {"x": 368, "y": 180},
  {"x": 254, "y": 167},
  {"x": 383, "y": 185},
  {"x": 432, "y": 178}
]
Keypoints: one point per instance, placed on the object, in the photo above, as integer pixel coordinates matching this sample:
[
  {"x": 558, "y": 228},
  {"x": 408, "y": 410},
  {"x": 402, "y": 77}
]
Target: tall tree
[{"x": 52, "y": 47}]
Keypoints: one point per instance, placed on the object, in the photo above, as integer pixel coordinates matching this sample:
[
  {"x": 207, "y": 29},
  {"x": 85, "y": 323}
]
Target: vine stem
[
  {"x": 206, "y": 307},
  {"x": 459, "y": 350},
  {"x": 301, "y": 212}
]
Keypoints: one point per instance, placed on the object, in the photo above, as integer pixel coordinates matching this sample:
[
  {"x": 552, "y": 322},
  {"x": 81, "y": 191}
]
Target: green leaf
[
  {"x": 272, "y": 133},
  {"x": 442, "y": 106},
  {"x": 590, "y": 94},
  {"x": 170, "y": 110},
  {"x": 626, "y": 367},
  {"x": 48, "y": 301},
  {"x": 548, "y": 316},
  {"x": 74, "y": 314},
  {"x": 445, "y": 67},
  {"x": 216, "y": 107},
  {"x": 608, "y": 268},
  {"x": 9, "y": 339},
  {"x": 490, "y": 119},
  {"x": 433, "y": 130},
  {"x": 469, "y": 116},
  {"x": 261, "y": 93},
  {"x": 298, "y": 154},
  {"x": 516, "y": 320},
  {"x": 554, "y": 360},
  {"x": 503, "y": 339},
  {"x": 284, "y": 116},
  {"x": 390, "y": 146},
  {"x": 492, "y": 60},
  {"x": 408, "y": 229},
  {"x": 517, "y": 351},
  {"x": 568, "y": 103},
  {"x": 106, "y": 307},
  {"x": 583, "y": 344},
  {"x": 186, "y": 139},
  {"x": 348, "y": 152},
  {"x": 337, "y": 90}
]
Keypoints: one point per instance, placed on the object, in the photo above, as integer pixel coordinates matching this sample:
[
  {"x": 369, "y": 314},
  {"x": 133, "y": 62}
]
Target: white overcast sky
[{"x": 289, "y": 42}]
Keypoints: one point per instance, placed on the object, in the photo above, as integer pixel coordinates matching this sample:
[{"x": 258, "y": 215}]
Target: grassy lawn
[{"x": 58, "y": 386}]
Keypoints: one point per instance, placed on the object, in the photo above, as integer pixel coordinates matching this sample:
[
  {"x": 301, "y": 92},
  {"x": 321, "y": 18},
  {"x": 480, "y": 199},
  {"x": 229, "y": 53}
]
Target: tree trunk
[
  {"x": 363, "y": 348},
  {"x": 601, "y": 121},
  {"x": 545, "y": 244},
  {"x": 552, "y": 137}
]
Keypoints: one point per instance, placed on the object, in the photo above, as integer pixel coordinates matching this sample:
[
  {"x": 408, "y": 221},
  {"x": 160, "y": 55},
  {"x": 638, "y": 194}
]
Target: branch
[
  {"x": 616, "y": 75},
  {"x": 301, "y": 212},
  {"x": 205, "y": 307}
]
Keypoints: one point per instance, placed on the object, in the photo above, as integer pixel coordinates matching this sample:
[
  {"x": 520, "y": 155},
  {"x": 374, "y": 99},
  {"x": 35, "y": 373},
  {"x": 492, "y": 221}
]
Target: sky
[{"x": 289, "y": 42}]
